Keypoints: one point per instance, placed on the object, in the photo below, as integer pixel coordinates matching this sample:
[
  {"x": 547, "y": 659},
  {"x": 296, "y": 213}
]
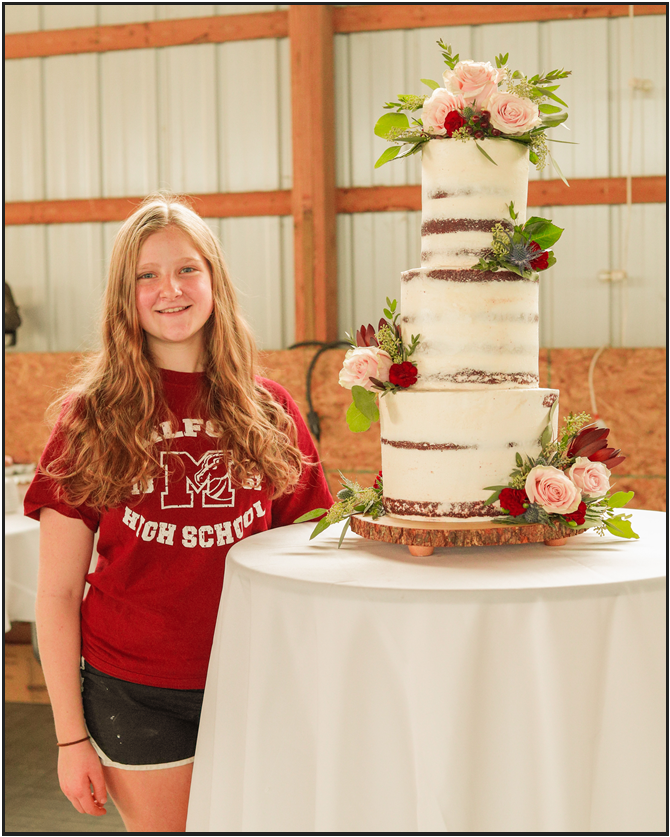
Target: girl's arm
[{"x": 65, "y": 553}]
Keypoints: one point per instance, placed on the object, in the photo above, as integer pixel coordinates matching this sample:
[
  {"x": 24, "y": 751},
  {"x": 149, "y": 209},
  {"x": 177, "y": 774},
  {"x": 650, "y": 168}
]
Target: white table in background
[
  {"x": 22, "y": 549},
  {"x": 492, "y": 689}
]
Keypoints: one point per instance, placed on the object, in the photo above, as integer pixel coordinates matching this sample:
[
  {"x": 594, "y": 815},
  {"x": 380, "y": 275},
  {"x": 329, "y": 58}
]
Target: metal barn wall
[{"x": 216, "y": 117}]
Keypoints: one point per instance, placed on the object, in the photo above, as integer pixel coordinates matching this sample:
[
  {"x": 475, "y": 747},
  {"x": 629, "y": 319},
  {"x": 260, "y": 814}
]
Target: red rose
[
  {"x": 453, "y": 121},
  {"x": 378, "y": 481},
  {"x": 403, "y": 374},
  {"x": 578, "y": 516},
  {"x": 512, "y": 499},
  {"x": 541, "y": 262}
]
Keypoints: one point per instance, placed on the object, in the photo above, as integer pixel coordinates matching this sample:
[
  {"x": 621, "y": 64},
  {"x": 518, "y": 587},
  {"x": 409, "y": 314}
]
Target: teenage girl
[{"x": 172, "y": 449}]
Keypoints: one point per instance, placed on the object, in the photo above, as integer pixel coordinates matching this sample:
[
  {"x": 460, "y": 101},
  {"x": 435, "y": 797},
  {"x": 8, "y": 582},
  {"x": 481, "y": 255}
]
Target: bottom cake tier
[{"x": 440, "y": 450}]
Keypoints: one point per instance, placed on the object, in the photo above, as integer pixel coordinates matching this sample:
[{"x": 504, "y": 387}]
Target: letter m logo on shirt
[{"x": 185, "y": 478}]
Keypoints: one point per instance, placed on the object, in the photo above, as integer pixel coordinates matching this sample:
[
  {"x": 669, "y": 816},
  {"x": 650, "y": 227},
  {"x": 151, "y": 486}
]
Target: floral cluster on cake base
[
  {"x": 377, "y": 363},
  {"x": 478, "y": 101},
  {"x": 568, "y": 482},
  {"x": 352, "y": 499}
]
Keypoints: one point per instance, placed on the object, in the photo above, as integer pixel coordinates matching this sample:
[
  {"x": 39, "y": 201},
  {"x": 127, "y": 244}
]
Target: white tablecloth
[
  {"x": 22, "y": 549},
  {"x": 493, "y": 689}
]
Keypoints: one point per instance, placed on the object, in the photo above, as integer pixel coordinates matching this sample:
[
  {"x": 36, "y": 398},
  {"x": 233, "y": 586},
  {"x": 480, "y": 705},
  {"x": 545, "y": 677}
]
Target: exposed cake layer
[
  {"x": 464, "y": 195},
  {"x": 441, "y": 449},
  {"x": 478, "y": 328}
]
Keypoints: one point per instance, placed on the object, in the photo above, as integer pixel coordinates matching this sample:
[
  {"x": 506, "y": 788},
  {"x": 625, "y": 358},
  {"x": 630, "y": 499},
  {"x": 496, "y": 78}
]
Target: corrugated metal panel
[
  {"x": 645, "y": 60},
  {"x": 129, "y": 122},
  {"x": 172, "y": 11},
  {"x": 254, "y": 251},
  {"x": 581, "y": 46},
  {"x": 639, "y": 304},
  {"x": 250, "y": 75},
  {"x": 72, "y": 126},
  {"x": 188, "y": 138},
  {"x": 26, "y": 274},
  {"x": 575, "y": 305},
  {"x": 112, "y": 13},
  {"x": 68, "y": 15},
  {"x": 76, "y": 279},
  {"x": 24, "y": 150},
  {"x": 21, "y": 17}
]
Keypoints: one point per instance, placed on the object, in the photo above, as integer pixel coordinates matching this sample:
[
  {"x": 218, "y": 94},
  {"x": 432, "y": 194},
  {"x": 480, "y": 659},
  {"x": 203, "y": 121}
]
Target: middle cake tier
[
  {"x": 477, "y": 328},
  {"x": 442, "y": 450}
]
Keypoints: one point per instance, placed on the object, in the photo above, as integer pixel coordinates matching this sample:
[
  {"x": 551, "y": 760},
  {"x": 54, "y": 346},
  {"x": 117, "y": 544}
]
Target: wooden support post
[{"x": 313, "y": 199}]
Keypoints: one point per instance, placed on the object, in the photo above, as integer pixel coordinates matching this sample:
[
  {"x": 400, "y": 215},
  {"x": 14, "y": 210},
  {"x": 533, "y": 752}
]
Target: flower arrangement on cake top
[
  {"x": 478, "y": 101},
  {"x": 377, "y": 363},
  {"x": 568, "y": 482}
]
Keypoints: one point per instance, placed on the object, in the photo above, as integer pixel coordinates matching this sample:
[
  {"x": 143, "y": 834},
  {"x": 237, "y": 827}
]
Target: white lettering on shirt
[{"x": 189, "y": 536}]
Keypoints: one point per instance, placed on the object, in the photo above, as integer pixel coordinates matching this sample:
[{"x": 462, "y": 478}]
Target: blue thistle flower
[{"x": 521, "y": 254}]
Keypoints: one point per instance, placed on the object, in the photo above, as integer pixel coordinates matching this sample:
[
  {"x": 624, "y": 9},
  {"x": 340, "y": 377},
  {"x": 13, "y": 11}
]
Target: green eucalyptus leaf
[
  {"x": 558, "y": 171},
  {"x": 310, "y": 515},
  {"x": 548, "y": 235},
  {"x": 344, "y": 532},
  {"x": 620, "y": 499},
  {"x": 430, "y": 83},
  {"x": 358, "y": 423},
  {"x": 485, "y": 154},
  {"x": 553, "y": 121},
  {"x": 366, "y": 402},
  {"x": 390, "y": 121},
  {"x": 545, "y": 108},
  {"x": 620, "y": 527},
  {"x": 390, "y": 154},
  {"x": 320, "y": 526},
  {"x": 546, "y": 91}
]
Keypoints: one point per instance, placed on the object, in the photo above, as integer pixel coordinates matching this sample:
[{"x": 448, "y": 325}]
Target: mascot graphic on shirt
[{"x": 206, "y": 478}]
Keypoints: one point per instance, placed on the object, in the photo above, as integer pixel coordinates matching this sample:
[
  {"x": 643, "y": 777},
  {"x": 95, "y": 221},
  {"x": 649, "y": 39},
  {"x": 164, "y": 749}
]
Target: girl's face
[{"x": 173, "y": 294}]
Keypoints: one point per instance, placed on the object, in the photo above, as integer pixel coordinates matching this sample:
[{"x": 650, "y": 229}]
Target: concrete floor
[{"x": 34, "y": 802}]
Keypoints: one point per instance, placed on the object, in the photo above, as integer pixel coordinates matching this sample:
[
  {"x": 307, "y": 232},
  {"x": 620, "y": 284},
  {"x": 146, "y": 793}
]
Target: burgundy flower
[
  {"x": 453, "y": 121},
  {"x": 403, "y": 374},
  {"x": 578, "y": 516},
  {"x": 512, "y": 499},
  {"x": 365, "y": 336},
  {"x": 542, "y": 261},
  {"x": 591, "y": 442}
]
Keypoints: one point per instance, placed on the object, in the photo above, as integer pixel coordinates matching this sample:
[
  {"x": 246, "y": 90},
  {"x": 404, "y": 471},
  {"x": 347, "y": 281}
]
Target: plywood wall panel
[
  {"x": 26, "y": 273},
  {"x": 188, "y": 130},
  {"x": 24, "y": 137},
  {"x": 76, "y": 278},
  {"x": 116, "y": 13},
  {"x": 72, "y": 140},
  {"x": 129, "y": 127}
]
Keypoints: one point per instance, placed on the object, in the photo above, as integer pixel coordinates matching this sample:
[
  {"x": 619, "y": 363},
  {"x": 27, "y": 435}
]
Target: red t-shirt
[{"x": 150, "y": 612}]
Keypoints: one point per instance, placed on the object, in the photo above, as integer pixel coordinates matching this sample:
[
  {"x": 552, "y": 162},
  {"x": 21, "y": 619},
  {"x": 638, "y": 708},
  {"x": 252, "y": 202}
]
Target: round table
[{"x": 491, "y": 689}]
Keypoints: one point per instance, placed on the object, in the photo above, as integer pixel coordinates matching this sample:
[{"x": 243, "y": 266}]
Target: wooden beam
[
  {"x": 313, "y": 137},
  {"x": 155, "y": 33},
  {"x": 225, "y": 205},
  {"x": 373, "y": 18},
  {"x": 597, "y": 190},
  {"x": 605, "y": 190}
]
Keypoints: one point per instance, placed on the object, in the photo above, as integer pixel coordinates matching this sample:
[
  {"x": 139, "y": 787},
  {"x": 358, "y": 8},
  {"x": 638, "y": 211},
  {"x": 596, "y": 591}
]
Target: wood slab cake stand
[{"x": 422, "y": 537}]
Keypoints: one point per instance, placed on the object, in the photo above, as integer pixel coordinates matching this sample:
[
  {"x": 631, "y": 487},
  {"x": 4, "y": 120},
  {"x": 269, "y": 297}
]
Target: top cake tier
[{"x": 464, "y": 195}]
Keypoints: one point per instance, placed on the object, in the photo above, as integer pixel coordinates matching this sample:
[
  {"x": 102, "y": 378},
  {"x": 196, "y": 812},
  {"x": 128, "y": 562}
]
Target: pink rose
[
  {"x": 364, "y": 363},
  {"x": 513, "y": 114},
  {"x": 593, "y": 478},
  {"x": 437, "y": 108},
  {"x": 473, "y": 80},
  {"x": 552, "y": 490}
]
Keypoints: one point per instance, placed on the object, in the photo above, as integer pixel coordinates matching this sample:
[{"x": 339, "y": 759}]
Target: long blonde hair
[{"x": 108, "y": 415}]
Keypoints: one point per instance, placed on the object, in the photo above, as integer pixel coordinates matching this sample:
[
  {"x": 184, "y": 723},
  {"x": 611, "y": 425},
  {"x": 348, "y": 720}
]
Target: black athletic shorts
[{"x": 139, "y": 727}]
